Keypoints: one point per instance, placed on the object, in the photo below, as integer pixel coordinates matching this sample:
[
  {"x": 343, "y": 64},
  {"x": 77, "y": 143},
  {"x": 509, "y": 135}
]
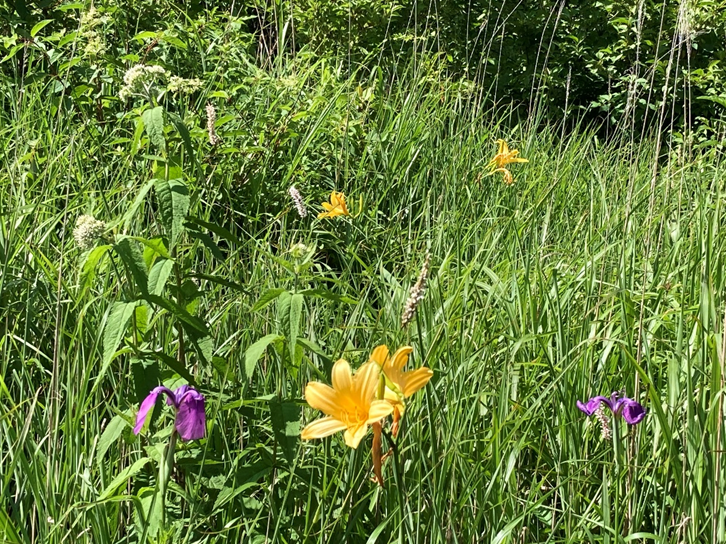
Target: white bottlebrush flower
[
  {"x": 416, "y": 294},
  {"x": 211, "y": 120},
  {"x": 297, "y": 199}
]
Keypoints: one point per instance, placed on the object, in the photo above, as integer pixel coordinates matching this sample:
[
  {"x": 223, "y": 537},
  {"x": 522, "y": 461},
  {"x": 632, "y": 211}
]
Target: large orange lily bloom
[{"x": 349, "y": 405}]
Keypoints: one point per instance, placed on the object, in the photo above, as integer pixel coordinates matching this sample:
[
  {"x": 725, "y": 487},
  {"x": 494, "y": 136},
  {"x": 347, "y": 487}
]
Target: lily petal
[
  {"x": 321, "y": 428},
  {"x": 342, "y": 377},
  {"x": 416, "y": 380},
  {"x": 323, "y": 397},
  {"x": 400, "y": 358},
  {"x": 367, "y": 378},
  {"x": 354, "y": 435},
  {"x": 380, "y": 354},
  {"x": 378, "y": 410}
]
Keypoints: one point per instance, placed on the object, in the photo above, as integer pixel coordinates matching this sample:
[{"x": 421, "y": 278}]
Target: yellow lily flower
[
  {"x": 504, "y": 156},
  {"x": 400, "y": 384},
  {"x": 349, "y": 405},
  {"x": 335, "y": 207}
]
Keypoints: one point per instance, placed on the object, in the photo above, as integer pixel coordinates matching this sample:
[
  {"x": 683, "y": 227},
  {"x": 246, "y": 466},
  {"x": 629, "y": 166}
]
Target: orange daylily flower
[
  {"x": 335, "y": 207},
  {"x": 349, "y": 405},
  {"x": 504, "y": 157},
  {"x": 400, "y": 384}
]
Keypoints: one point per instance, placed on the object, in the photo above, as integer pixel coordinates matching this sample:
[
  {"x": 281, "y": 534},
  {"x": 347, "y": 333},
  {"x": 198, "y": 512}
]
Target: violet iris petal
[
  {"x": 633, "y": 412},
  {"x": 593, "y": 404},
  {"x": 190, "y": 419},
  {"x": 188, "y": 404},
  {"x": 148, "y": 404}
]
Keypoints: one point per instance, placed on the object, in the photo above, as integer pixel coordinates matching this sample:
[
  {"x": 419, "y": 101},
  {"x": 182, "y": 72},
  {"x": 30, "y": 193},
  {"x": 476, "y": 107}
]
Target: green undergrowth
[{"x": 600, "y": 269}]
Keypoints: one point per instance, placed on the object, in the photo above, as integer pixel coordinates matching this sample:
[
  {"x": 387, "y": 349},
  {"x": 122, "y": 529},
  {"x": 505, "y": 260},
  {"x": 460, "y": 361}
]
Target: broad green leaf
[
  {"x": 156, "y": 245},
  {"x": 183, "y": 131},
  {"x": 296, "y": 304},
  {"x": 267, "y": 297},
  {"x": 285, "y": 416},
  {"x": 173, "y": 198},
  {"x": 140, "y": 196},
  {"x": 182, "y": 314},
  {"x": 39, "y": 26},
  {"x": 141, "y": 317},
  {"x": 283, "y": 312},
  {"x": 110, "y": 435},
  {"x": 255, "y": 352},
  {"x": 133, "y": 258},
  {"x": 123, "y": 477},
  {"x": 89, "y": 263},
  {"x": 204, "y": 347},
  {"x": 154, "y": 124},
  {"x": 158, "y": 275},
  {"x": 208, "y": 243},
  {"x": 114, "y": 331}
]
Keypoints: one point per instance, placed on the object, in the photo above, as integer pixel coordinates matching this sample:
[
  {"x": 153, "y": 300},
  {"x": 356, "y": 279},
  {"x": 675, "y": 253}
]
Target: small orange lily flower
[
  {"x": 335, "y": 207},
  {"x": 504, "y": 156},
  {"x": 349, "y": 405},
  {"x": 400, "y": 384}
]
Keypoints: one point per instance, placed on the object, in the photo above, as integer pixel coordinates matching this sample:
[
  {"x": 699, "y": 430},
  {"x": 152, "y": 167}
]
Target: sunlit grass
[{"x": 593, "y": 272}]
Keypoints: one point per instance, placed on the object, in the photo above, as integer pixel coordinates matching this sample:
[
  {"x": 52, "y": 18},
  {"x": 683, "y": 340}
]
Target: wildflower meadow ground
[{"x": 315, "y": 304}]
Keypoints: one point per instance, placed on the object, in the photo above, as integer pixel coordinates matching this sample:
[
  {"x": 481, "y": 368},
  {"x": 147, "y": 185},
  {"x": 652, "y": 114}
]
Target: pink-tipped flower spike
[{"x": 188, "y": 403}]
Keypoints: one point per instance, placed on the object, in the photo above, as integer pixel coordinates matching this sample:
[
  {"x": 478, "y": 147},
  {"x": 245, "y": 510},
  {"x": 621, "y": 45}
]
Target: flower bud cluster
[{"x": 87, "y": 231}]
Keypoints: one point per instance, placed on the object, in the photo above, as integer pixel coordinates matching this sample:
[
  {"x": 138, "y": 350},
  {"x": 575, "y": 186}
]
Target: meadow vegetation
[{"x": 163, "y": 170}]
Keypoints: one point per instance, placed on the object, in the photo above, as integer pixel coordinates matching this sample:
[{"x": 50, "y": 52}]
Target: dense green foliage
[
  {"x": 616, "y": 61},
  {"x": 600, "y": 269}
]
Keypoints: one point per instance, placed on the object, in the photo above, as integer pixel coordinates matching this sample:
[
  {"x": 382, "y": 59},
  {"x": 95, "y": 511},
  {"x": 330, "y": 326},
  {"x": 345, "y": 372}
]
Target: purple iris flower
[
  {"x": 631, "y": 410},
  {"x": 188, "y": 403}
]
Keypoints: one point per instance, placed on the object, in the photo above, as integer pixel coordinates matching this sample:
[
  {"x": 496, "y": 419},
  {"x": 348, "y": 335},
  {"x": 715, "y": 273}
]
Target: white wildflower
[
  {"x": 211, "y": 120},
  {"x": 185, "y": 86},
  {"x": 416, "y": 294},
  {"x": 297, "y": 199},
  {"x": 138, "y": 80},
  {"x": 87, "y": 231}
]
